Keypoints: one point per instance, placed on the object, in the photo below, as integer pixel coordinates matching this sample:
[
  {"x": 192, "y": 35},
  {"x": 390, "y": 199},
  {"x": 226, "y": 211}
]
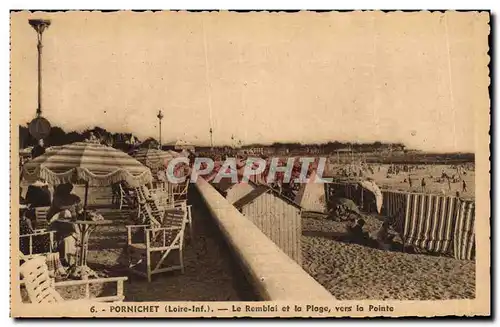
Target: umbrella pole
[{"x": 86, "y": 195}]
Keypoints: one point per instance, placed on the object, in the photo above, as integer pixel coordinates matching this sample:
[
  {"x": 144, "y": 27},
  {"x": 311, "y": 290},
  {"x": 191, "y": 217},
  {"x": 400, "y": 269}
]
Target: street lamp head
[
  {"x": 39, "y": 24},
  {"x": 160, "y": 115}
]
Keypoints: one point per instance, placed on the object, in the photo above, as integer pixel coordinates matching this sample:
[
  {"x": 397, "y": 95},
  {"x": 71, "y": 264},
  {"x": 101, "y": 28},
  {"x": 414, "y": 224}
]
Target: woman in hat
[{"x": 65, "y": 205}]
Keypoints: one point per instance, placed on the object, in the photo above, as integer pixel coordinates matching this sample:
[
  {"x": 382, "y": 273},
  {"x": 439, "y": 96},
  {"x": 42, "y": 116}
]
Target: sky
[{"x": 415, "y": 78}]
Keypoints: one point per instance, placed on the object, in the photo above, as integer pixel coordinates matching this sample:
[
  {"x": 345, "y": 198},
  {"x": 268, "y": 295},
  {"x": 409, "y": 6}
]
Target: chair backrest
[
  {"x": 180, "y": 190},
  {"x": 141, "y": 196},
  {"x": 151, "y": 217},
  {"x": 39, "y": 285},
  {"x": 174, "y": 217},
  {"x": 41, "y": 217},
  {"x": 41, "y": 213}
]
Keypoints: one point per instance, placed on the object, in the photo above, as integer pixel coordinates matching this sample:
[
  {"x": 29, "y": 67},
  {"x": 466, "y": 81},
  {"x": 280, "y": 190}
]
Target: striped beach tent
[
  {"x": 437, "y": 223},
  {"x": 91, "y": 163},
  {"x": 153, "y": 158},
  {"x": 394, "y": 207},
  {"x": 464, "y": 241},
  {"x": 429, "y": 221}
]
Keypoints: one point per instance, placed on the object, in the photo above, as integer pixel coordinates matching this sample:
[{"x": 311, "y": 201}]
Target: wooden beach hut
[{"x": 277, "y": 216}]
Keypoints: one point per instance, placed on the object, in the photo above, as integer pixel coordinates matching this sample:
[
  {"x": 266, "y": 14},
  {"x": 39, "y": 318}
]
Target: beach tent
[
  {"x": 91, "y": 163},
  {"x": 311, "y": 195},
  {"x": 370, "y": 185}
]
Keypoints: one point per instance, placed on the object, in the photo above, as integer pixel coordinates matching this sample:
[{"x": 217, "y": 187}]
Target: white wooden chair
[
  {"x": 153, "y": 250},
  {"x": 41, "y": 217},
  {"x": 42, "y": 289}
]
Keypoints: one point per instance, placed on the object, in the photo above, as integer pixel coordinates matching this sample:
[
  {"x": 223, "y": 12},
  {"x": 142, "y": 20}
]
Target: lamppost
[
  {"x": 160, "y": 117},
  {"x": 211, "y": 139},
  {"x": 39, "y": 127}
]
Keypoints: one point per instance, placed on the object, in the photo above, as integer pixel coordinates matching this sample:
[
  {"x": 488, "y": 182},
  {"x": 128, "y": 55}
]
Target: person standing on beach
[
  {"x": 423, "y": 184},
  {"x": 409, "y": 180},
  {"x": 464, "y": 186}
]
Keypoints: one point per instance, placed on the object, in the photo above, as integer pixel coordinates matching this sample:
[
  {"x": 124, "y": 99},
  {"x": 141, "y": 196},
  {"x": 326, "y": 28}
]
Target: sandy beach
[
  {"x": 431, "y": 173},
  {"x": 356, "y": 272}
]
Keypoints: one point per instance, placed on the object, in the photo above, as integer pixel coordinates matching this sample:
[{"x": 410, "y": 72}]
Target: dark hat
[{"x": 64, "y": 188}]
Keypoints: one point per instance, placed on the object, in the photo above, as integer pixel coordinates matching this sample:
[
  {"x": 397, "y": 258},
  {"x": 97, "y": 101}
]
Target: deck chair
[
  {"x": 39, "y": 242},
  {"x": 154, "y": 250},
  {"x": 180, "y": 191},
  {"x": 187, "y": 214},
  {"x": 163, "y": 197},
  {"x": 127, "y": 197},
  {"x": 141, "y": 199},
  {"x": 41, "y": 217},
  {"x": 151, "y": 210},
  {"x": 42, "y": 289}
]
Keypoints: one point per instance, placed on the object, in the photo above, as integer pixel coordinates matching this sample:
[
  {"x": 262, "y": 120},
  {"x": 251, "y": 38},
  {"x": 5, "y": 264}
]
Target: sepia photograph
[{"x": 250, "y": 164}]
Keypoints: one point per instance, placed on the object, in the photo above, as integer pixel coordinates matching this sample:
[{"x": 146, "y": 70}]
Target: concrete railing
[{"x": 274, "y": 276}]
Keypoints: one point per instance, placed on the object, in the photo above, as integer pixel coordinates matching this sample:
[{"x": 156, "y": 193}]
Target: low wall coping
[{"x": 275, "y": 276}]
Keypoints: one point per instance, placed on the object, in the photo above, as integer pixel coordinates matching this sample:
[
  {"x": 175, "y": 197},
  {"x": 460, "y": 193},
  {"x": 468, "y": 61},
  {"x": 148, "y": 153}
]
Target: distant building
[
  {"x": 282, "y": 151},
  {"x": 178, "y": 145}
]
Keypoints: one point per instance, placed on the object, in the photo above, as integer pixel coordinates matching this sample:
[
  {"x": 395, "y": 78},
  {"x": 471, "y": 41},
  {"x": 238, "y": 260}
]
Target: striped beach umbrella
[
  {"x": 154, "y": 159},
  {"x": 91, "y": 163}
]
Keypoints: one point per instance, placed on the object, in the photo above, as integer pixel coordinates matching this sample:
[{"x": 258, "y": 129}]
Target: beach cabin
[{"x": 277, "y": 216}]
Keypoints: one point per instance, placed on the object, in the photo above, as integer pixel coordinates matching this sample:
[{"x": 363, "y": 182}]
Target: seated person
[
  {"x": 356, "y": 233},
  {"x": 384, "y": 237},
  {"x": 65, "y": 206},
  {"x": 25, "y": 225},
  {"x": 66, "y": 237}
]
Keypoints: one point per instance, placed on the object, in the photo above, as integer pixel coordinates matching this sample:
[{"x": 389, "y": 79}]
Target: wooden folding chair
[
  {"x": 152, "y": 250},
  {"x": 42, "y": 289}
]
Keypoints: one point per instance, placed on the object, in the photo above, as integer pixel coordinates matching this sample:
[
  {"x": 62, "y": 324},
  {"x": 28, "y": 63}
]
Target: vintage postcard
[{"x": 250, "y": 164}]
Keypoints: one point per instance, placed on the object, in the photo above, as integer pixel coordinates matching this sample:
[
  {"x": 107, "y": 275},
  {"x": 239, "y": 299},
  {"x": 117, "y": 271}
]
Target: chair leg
[
  {"x": 148, "y": 266},
  {"x": 181, "y": 259}
]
